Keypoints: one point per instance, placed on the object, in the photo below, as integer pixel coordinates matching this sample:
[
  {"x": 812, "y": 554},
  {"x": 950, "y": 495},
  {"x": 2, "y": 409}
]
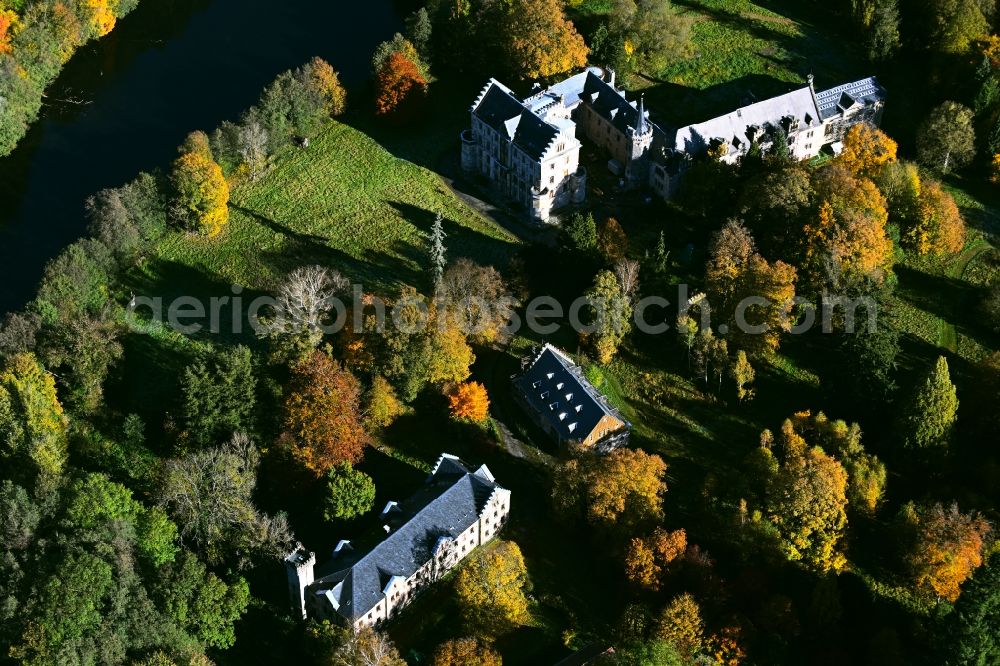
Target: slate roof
[
  {"x": 447, "y": 505},
  {"x": 609, "y": 103},
  {"x": 499, "y": 108},
  {"x": 556, "y": 388},
  {"x": 833, "y": 101},
  {"x": 733, "y": 127}
]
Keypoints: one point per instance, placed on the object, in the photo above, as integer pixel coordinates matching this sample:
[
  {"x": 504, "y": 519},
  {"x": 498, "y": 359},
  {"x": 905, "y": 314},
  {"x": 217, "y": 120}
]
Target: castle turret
[
  {"x": 299, "y": 565},
  {"x": 470, "y": 151}
]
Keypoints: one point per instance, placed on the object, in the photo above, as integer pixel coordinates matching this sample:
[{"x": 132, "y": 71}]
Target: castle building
[
  {"x": 424, "y": 537},
  {"x": 529, "y": 152},
  {"x": 530, "y": 149}
]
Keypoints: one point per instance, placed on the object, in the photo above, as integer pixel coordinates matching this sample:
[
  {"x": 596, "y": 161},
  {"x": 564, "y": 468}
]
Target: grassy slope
[
  {"x": 745, "y": 51},
  {"x": 344, "y": 202}
]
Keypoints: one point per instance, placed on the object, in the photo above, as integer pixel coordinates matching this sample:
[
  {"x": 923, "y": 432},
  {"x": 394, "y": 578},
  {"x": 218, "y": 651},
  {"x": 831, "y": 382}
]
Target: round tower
[{"x": 470, "y": 154}]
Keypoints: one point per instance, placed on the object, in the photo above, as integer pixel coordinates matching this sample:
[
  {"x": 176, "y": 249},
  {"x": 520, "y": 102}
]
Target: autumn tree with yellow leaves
[
  {"x": 848, "y": 242},
  {"x": 620, "y": 492},
  {"x": 539, "y": 41},
  {"x": 200, "y": 191},
  {"x": 680, "y": 623},
  {"x": 807, "y": 502},
  {"x": 736, "y": 272},
  {"x": 466, "y": 652},
  {"x": 491, "y": 589},
  {"x": 32, "y": 424}
]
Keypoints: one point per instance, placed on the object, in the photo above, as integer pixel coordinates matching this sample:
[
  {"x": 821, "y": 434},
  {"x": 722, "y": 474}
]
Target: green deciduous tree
[
  {"x": 202, "y": 603},
  {"x": 946, "y": 140},
  {"x": 613, "y": 316},
  {"x": 349, "y": 493}
]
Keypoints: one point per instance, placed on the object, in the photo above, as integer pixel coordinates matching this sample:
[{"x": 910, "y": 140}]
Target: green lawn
[
  {"x": 345, "y": 202},
  {"x": 744, "y": 51}
]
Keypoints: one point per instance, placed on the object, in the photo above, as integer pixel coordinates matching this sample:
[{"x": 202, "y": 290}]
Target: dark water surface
[{"x": 170, "y": 67}]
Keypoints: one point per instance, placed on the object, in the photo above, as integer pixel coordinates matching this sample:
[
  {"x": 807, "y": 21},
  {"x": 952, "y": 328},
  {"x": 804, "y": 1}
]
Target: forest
[{"x": 827, "y": 496}]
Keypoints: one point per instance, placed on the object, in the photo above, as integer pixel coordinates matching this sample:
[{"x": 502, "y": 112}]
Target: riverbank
[{"x": 165, "y": 70}]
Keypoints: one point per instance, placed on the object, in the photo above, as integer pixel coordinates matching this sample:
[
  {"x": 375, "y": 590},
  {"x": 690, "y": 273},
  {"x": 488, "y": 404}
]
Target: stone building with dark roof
[
  {"x": 810, "y": 120},
  {"x": 529, "y": 152},
  {"x": 529, "y": 149},
  {"x": 554, "y": 392},
  {"x": 423, "y": 537}
]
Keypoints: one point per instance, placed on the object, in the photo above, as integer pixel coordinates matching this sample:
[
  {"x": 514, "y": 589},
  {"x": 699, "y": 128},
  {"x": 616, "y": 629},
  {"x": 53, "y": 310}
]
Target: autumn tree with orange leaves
[
  {"x": 469, "y": 401},
  {"x": 400, "y": 89},
  {"x": 323, "y": 414},
  {"x": 648, "y": 557},
  {"x": 8, "y": 25},
  {"x": 946, "y": 546}
]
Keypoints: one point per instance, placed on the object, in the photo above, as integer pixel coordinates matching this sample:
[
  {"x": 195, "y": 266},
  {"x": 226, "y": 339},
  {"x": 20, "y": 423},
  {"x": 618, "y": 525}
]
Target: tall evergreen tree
[
  {"x": 932, "y": 411},
  {"x": 437, "y": 251}
]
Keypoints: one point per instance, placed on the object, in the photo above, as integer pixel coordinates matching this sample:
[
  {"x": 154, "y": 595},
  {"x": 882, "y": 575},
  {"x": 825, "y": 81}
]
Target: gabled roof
[
  {"x": 735, "y": 128},
  {"x": 609, "y": 102},
  {"x": 448, "y": 503},
  {"x": 841, "y": 98},
  {"x": 499, "y": 108},
  {"x": 557, "y": 389}
]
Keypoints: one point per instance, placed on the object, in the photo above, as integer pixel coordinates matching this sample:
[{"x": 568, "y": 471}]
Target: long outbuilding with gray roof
[{"x": 423, "y": 537}]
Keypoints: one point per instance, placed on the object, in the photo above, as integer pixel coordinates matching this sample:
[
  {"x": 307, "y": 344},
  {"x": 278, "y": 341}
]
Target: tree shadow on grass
[
  {"x": 952, "y": 300},
  {"x": 379, "y": 272}
]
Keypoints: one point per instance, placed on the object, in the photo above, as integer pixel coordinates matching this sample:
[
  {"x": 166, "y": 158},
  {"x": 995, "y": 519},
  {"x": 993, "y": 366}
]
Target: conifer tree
[
  {"x": 932, "y": 411},
  {"x": 438, "y": 252}
]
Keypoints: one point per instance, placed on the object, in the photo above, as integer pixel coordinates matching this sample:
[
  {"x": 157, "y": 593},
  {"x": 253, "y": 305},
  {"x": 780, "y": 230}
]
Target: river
[{"x": 123, "y": 104}]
